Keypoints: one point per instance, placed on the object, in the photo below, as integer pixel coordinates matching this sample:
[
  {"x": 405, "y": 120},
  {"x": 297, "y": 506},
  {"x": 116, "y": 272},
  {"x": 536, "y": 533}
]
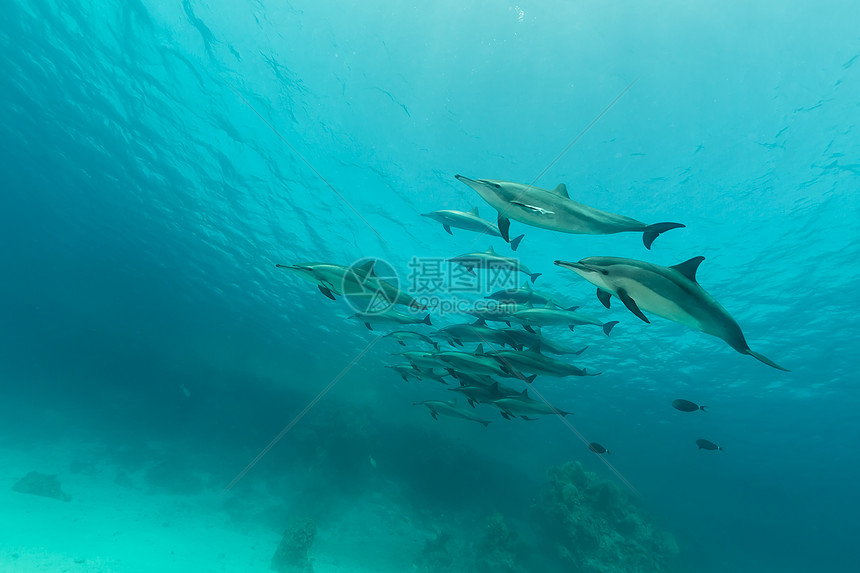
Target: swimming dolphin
[
  {"x": 490, "y": 260},
  {"x": 389, "y": 316},
  {"x": 353, "y": 281},
  {"x": 524, "y": 295},
  {"x": 406, "y": 371},
  {"x": 422, "y": 360},
  {"x": 551, "y": 315},
  {"x": 520, "y": 339},
  {"x": 556, "y": 211},
  {"x": 473, "y": 362},
  {"x": 481, "y": 394},
  {"x": 478, "y": 331},
  {"x": 470, "y": 221},
  {"x": 401, "y": 336},
  {"x": 670, "y": 292},
  {"x": 533, "y": 361},
  {"x": 437, "y": 407},
  {"x": 522, "y": 405}
]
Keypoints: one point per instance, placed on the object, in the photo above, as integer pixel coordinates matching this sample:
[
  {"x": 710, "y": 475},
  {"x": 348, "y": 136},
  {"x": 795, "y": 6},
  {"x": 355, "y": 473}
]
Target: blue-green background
[{"x": 143, "y": 206}]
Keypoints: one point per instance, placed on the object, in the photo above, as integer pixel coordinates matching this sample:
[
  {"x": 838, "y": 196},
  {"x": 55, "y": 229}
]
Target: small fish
[
  {"x": 706, "y": 445},
  {"x": 686, "y": 406},
  {"x": 597, "y": 448}
]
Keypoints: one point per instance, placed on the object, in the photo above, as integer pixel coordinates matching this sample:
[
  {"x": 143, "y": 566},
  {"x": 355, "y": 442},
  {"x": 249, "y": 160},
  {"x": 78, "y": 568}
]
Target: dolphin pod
[{"x": 556, "y": 211}]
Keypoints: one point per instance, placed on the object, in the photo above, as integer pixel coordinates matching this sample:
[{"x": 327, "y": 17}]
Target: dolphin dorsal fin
[
  {"x": 528, "y": 287},
  {"x": 490, "y": 251},
  {"x": 479, "y": 349},
  {"x": 561, "y": 190},
  {"x": 535, "y": 347},
  {"x": 474, "y": 211},
  {"x": 494, "y": 387},
  {"x": 525, "y": 393},
  {"x": 480, "y": 322},
  {"x": 365, "y": 269},
  {"x": 688, "y": 268}
]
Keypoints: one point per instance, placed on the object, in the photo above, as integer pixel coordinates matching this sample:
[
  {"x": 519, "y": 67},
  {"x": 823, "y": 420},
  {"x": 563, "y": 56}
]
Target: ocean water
[{"x": 200, "y": 406}]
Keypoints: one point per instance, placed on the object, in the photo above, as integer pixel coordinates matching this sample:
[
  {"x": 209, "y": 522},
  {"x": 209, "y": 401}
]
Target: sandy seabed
[{"x": 110, "y": 525}]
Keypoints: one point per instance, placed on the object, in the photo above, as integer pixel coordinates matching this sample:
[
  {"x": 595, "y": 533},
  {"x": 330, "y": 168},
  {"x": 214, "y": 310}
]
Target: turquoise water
[{"x": 147, "y": 331}]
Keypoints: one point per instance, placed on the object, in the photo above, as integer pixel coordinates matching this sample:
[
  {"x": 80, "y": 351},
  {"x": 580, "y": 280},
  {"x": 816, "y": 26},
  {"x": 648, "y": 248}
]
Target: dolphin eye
[{"x": 604, "y": 272}]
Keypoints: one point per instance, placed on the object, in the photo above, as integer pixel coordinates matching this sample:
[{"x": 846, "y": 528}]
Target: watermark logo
[{"x": 371, "y": 286}]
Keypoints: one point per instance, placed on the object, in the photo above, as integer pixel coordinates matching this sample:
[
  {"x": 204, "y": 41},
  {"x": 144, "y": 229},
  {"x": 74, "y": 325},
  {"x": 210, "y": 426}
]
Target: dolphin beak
[
  {"x": 579, "y": 268},
  {"x": 572, "y": 266}
]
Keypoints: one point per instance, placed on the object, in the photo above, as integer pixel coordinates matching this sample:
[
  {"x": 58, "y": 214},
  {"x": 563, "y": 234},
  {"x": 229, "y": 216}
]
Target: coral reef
[
  {"x": 45, "y": 485},
  {"x": 499, "y": 550},
  {"x": 589, "y": 525},
  {"x": 292, "y": 553}
]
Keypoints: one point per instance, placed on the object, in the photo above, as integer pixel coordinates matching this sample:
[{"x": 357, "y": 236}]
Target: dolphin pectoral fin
[
  {"x": 515, "y": 242},
  {"x": 447, "y": 228},
  {"x": 655, "y": 230},
  {"x": 401, "y": 343},
  {"x": 766, "y": 360},
  {"x": 584, "y": 348},
  {"x": 435, "y": 414},
  {"x": 485, "y": 422},
  {"x": 603, "y": 296},
  {"x": 570, "y": 326},
  {"x": 326, "y": 292},
  {"x": 367, "y": 324},
  {"x": 505, "y": 227},
  {"x": 471, "y": 402},
  {"x": 607, "y": 328},
  {"x": 631, "y": 304},
  {"x": 529, "y": 329}
]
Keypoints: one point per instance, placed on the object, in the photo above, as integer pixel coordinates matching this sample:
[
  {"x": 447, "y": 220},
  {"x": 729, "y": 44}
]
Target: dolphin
[
  {"x": 521, "y": 338},
  {"x": 524, "y": 295},
  {"x": 406, "y": 371},
  {"x": 670, "y": 292},
  {"x": 498, "y": 313},
  {"x": 480, "y": 394},
  {"x": 551, "y": 315},
  {"x": 422, "y": 361},
  {"x": 533, "y": 361},
  {"x": 437, "y": 407},
  {"x": 522, "y": 405},
  {"x": 470, "y": 221},
  {"x": 556, "y": 211},
  {"x": 353, "y": 281},
  {"x": 478, "y": 331},
  {"x": 476, "y": 363},
  {"x": 401, "y": 336},
  {"x": 490, "y": 260},
  {"x": 389, "y": 316}
]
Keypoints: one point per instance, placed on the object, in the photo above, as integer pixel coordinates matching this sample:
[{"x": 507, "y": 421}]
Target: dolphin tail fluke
[
  {"x": 655, "y": 230},
  {"x": 607, "y": 328},
  {"x": 427, "y": 320},
  {"x": 515, "y": 242},
  {"x": 534, "y": 276},
  {"x": 766, "y": 360}
]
